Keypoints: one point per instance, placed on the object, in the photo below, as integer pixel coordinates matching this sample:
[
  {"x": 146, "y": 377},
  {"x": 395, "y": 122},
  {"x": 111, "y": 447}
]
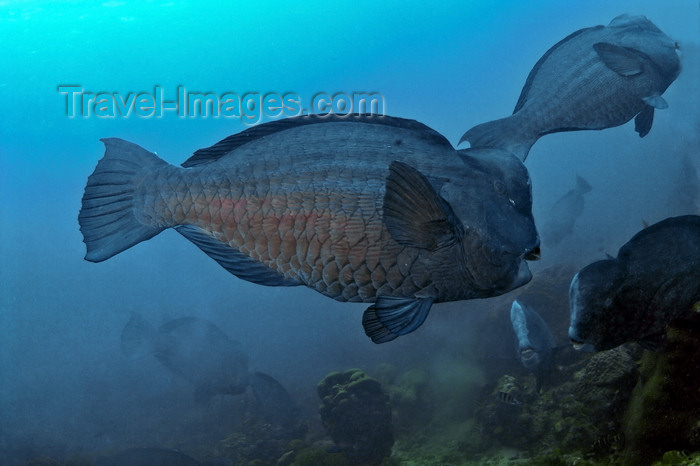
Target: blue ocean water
[{"x": 65, "y": 387}]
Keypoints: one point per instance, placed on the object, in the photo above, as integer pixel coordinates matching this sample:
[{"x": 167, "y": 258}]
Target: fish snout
[{"x": 509, "y": 252}]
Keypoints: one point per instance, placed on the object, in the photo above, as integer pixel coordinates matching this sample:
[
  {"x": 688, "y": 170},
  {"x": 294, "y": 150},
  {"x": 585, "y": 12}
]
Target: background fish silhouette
[
  {"x": 202, "y": 353},
  {"x": 563, "y": 215},
  {"x": 595, "y": 78},
  {"x": 193, "y": 348},
  {"x": 654, "y": 280}
]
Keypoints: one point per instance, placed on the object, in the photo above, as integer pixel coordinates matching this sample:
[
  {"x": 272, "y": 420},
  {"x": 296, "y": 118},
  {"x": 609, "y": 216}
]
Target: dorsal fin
[{"x": 223, "y": 147}]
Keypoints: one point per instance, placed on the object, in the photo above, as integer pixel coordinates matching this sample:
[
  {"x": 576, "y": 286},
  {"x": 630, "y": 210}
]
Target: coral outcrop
[
  {"x": 356, "y": 414},
  {"x": 583, "y": 414},
  {"x": 664, "y": 412}
]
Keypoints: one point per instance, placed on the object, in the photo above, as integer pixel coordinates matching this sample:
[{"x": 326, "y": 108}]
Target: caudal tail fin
[
  {"x": 139, "y": 337},
  {"x": 582, "y": 184},
  {"x": 503, "y": 134},
  {"x": 107, "y": 219}
]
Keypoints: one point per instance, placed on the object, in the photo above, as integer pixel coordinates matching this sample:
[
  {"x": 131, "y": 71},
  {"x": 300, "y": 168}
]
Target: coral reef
[
  {"x": 256, "y": 442},
  {"x": 356, "y": 413},
  {"x": 664, "y": 412},
  {"x": 679, "y": 457},
  {"x": 301, "y": 454},
  {"x": 408, "y": 400},
  {"x": 580, "y": 415}
]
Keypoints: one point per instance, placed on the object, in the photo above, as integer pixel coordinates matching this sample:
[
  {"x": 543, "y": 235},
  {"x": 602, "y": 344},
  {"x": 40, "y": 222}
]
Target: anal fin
[
  {"x": 644, "y": 120},
  {"x": 237, "y": 263}
]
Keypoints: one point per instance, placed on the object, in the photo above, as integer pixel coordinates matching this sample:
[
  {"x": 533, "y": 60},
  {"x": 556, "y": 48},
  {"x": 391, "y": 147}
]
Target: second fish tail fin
[
  {"x": 107, "y": 219},
  {"x": 502, "y": 134}
]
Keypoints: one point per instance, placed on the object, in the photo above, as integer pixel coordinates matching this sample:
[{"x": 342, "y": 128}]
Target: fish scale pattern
[{"x": 333, "y": 241}]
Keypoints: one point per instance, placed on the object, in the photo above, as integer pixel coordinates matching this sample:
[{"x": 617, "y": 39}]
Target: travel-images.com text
[{"x": 250, "y": 107}]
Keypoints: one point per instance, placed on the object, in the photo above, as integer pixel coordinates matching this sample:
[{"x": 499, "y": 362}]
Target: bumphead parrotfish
[
  {"x": 595, "y": 78},
  {"x": 369, "y": 209},
  {"x": 535, "y": 340},
  {"x": 199, "y": 351},
  {"x": 193, "y": 348},
  {"x": 564, "y": 213},
  {"x": 654, "y": 280}
]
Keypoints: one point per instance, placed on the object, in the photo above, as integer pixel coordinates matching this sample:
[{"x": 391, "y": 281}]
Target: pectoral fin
[
  {"x": 622, "y": 60},
  {"x": 390, "y": 317},
  {"x": 414, "y": 213},
  {"x": 656, "y": 101},
  {"x": 644, "y": 120}
]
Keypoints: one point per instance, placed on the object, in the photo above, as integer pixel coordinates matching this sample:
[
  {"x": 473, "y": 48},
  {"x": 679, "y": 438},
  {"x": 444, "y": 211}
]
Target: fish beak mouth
[
  {"x": 533, "y": 254},
  {"x": 581, "y": 346},
  {"x": 578, "y": 346},
  {"x": 527, "y": 353}
]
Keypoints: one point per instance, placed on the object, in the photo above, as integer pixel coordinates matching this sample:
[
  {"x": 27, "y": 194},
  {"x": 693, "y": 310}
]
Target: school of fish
[{"x": 380, "y": 209}]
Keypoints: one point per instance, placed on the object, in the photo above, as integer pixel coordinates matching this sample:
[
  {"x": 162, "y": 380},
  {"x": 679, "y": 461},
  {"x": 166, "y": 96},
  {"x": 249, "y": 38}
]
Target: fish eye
[{"x": 499, "y": 187}]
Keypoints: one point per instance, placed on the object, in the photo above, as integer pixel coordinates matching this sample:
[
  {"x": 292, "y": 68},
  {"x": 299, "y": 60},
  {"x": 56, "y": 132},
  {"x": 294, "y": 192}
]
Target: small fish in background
[
  {"x": 606, "y": 443},
  {"x": 535, "y": 341},
  {"x": 202, "y": 353},
  {"x": 654, "y": 280},
  {"x": 371, "y": 209},
  {"x": 564, "y": 213},
  {"x": 609, "y": 440},
  {"x": 507, "y": 398},
  {"x": 595, "y": 78}
]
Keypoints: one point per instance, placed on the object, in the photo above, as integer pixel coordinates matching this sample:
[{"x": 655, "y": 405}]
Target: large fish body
[
  {"x": 595, "y": 78},
  {"x": 654, "y": 280},
  {"x": 363, "y": 209},
  {"x": 193, "y": 348},
  {"x": 564, "y": 213},
  {"x": 535, "y": 340}
]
